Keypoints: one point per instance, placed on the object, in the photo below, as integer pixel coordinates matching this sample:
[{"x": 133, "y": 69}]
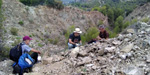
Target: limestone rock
[
  {"x": 127, "y": 48},
  {"x": 134, "y": 71},
  {"x": 46, "y": 61},
  {"x": 110, "y": 49},
  {"x": 148, "y": 58},
  {"x": 101, "y": 52},
  {"x": 130, "y": 31},
  {"x": 116, "y": 42},
  {"x": 83, "y": 53}
]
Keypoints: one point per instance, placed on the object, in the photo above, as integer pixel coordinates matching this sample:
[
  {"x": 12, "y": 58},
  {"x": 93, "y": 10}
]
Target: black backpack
[{"x": 16, "y": 52}]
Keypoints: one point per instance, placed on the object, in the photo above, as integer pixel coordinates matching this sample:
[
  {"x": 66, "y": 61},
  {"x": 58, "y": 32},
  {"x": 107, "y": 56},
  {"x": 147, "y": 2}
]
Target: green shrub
[
  {"x": 55, "y": 4},
  {"x": 14, "y": 31},
  {"x": 50, "y": 40},
  {"x": 83, "y": 38},
  {"x": 96, "y": 9},
  {"x": 1, "y": 20},
  {"x": 18, "y": 38},
  {"x": 30, "y": 35},
  {"x": 145, "y": 20},
  {"x": 42, "y": 39},
  {"x": 91, "y": 33},
  {"x": 40, "y": 45},
  {"x": 117, "y": 29},
  {"x": 33, "y": 34},
  {"x": 68, "y": 32},
  {"x": 32, "y": 2},
  {"x": 21, "y": 23},
  {"x": 119, "y": 23},
  {"x": 100, "y": 22},
  {"x": 50, "y": 3},
  {"x": 126, "y": 24},
  {"x": 84, "y": 69},
  {"x": 53, "y": 41},
  {"x": 134, "y": 21},
  {"x": 5, "y": 31},
  {"x": 5, "y": 51},
  {"x": 111, "y": 33}
]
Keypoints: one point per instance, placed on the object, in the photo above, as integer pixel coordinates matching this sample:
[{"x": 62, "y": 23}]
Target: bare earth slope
[
  {"x": 139, "y": 13},
  {"x": 40, "y": 21}
]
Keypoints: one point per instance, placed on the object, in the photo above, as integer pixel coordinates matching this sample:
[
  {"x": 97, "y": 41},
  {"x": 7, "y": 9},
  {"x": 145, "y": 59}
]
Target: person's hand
[
  {"x": 77, "y": 44},
  {"x": 74, "y": 43},
  {"x": 39, "y": 52}
]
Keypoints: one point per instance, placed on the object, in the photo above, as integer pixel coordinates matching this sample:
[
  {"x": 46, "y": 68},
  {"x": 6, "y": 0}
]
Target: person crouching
[{"x": 75, "y": 39}]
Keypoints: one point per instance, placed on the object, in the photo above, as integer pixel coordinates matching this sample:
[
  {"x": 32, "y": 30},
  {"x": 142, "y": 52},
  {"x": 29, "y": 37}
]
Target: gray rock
[
  {"x": 130, "y": 30},
  {"x": 134, "y": 71},
  {"x": 148, "y": 58},
  {"x": 116, "y": 42},
  {"x": 127, "y": 48},
  {"x": 2, "y": 73},
  {"x": 110, "y": 49},
  {"x": 83, "y": 53},
  {"x": 86, "y": 60},
  {"x": 101, "y": 52}
]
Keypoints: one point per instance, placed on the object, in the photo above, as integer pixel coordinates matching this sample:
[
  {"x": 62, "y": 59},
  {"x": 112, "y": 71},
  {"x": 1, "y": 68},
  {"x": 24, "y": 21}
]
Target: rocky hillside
[
  {"x": 127, "y": 54},
  {"x": 42, "y": 22},
  {"x": 139, "y": 13}
]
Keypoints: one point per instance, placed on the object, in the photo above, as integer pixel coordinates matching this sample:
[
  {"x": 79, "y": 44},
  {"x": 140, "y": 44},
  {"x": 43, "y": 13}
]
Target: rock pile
[{"x": 128, "y": 54}]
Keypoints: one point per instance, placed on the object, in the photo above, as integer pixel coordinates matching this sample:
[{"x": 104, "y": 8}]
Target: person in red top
[{"x": 103, "y": 33}]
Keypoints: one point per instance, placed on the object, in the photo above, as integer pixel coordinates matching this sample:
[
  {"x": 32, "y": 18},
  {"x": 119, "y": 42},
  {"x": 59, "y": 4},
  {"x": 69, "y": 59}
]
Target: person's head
[
  {"x": 77, "y": 32},
  {"x": 27, "y": 39},
  {"x": 102, "y": 28}
]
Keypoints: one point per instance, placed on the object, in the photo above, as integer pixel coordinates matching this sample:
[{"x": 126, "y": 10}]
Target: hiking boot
[
  {"x": 14, "y": 72},
  {"x": 30, "y": 69},
  {"x": 26, "y": 70}
]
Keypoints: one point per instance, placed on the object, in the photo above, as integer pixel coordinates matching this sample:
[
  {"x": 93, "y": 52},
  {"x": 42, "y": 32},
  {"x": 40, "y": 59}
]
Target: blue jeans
[{"x": 70, "y": 46}]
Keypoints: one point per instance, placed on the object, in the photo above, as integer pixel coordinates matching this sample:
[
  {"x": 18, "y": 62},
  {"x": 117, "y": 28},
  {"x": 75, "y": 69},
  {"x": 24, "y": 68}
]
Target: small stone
[
  {"x": 116, "y": 42},
  {"x": 101, "y": 52},
  {"x": 129, "y": 54},
  {"x": 89, "y": 65},
  {"x": 123, "y": 56},
  {"x": 148, "y": 58},
  {"x": 110, "y": 49},
  {"x": 130, "y": 30}
]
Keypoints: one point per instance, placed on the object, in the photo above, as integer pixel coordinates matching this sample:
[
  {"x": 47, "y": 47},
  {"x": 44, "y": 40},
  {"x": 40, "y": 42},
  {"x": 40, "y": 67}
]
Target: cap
[
  {"x": 26, "y": 38},
  {"x": 101, "y": 26}
]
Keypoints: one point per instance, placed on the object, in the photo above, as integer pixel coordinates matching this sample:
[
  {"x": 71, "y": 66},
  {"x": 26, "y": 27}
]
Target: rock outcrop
[{"x": 139, "y": 13}]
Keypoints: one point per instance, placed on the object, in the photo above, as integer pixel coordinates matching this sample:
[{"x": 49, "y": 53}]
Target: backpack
[
  {"x": 16, "y": 52},
  {"x": 25, "y": 61}
]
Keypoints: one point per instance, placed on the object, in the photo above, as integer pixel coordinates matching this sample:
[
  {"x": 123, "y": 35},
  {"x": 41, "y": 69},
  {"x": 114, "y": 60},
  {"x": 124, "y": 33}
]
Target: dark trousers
[
  {"x": 17, "y": 69},
  {"x": 34, "y": 56},
  {"x": 92, "y": 41}
]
